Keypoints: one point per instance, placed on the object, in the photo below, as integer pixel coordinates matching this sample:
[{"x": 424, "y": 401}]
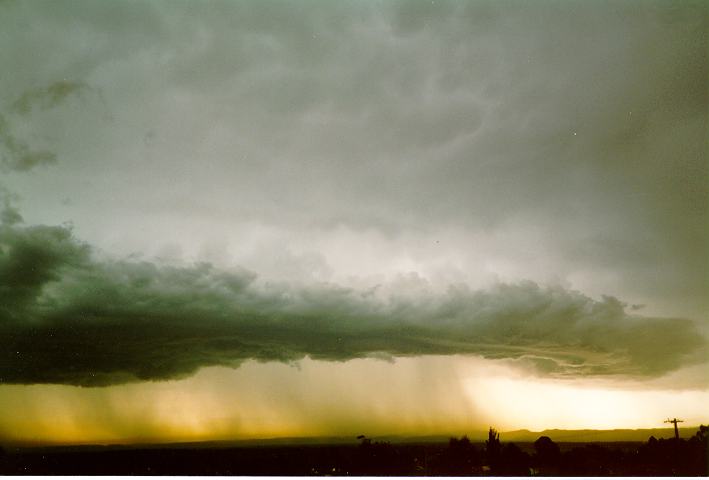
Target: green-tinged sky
[{"x": 243, "y": 219}]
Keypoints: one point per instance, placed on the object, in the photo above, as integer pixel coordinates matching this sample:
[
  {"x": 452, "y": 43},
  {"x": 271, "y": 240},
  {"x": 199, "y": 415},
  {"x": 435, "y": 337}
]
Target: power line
[{"x": 675, "y": 422}]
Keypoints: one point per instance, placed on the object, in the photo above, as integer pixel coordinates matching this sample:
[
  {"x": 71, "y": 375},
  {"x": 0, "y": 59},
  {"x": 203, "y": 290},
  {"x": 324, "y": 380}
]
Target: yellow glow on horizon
[
  {"x": 536, "y": 404},
  {"x": 411, "y": 396}
]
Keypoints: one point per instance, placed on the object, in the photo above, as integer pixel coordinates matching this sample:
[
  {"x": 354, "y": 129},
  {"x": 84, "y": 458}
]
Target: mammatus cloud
[
  {"x": 68, "y": 317},
  {"x": 44, "y": 98},
  {"x": 15, "y": 153},
  {"x": 9, "y": 215}
]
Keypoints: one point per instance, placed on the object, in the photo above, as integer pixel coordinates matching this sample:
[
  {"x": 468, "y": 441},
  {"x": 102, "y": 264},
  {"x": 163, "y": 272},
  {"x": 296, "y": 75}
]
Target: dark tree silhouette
[
  {"x": 547, "y": 457},
  {"x": 702, "y": 434},
  {"x": 460, "y": 458},
  {"x": 378, "y": 458},
  {"x": 513, "y": 461},
  {"x": 547, "y": 452},
  {"x": 493, "y": 449},
  {"x": 492, "y": 444}
]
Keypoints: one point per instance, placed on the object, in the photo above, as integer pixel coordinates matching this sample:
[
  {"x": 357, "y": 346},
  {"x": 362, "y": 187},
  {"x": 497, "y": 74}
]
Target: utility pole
[{"x": 675, "y": 421}]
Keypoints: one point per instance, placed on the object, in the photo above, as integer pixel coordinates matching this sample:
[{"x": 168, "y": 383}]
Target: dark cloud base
[{"x": 67, "y": 317}]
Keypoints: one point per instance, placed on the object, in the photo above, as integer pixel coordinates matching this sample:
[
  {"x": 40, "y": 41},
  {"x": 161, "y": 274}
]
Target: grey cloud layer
[
  {"x": 583, "y": 122},
  {"x": 586, "y": 120},
  {"x": 16, "y": 153},
  {"x": 67, "y": 317},
  {"x": 47, "y": 97}
]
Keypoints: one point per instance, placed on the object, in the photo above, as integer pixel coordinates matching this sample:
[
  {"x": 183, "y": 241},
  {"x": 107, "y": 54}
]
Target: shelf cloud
[{"x": 69, "y": 317}]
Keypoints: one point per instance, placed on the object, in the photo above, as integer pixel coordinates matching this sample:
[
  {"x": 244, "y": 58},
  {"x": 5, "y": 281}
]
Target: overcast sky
[{"x": 521, "y": 185}]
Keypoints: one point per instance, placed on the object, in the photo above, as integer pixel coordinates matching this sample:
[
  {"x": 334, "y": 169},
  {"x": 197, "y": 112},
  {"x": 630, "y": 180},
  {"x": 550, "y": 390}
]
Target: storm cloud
[
  {"x": 69, "y": 316},
  {"x": 269, "y": 218},
  {"x": 47, "y": 97},
  {"x": 16, "y": 154},
  {"x": 562, "y": 140},
  {"x": 493, "y": 148}
]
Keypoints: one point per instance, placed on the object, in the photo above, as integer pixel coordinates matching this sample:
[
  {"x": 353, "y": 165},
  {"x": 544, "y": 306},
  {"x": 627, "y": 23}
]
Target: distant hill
[
  {"x": 520, "y": 436},
  {"x": 619, "y": 435},
  {"x": 557, "y": 435}
]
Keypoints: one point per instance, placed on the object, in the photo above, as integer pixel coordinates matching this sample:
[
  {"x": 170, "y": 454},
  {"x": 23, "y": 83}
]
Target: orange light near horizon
[
  {"x": 412, "y": 396},
  {"x": 536, "y": 404}
]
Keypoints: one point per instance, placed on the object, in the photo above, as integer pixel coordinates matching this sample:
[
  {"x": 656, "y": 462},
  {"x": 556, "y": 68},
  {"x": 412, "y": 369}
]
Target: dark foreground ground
[{"x": 455, "y": 457}]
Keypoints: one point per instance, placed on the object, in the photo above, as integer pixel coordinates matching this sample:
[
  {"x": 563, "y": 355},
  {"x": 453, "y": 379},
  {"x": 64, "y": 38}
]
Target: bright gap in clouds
[{"x": 538, "y": 404}]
